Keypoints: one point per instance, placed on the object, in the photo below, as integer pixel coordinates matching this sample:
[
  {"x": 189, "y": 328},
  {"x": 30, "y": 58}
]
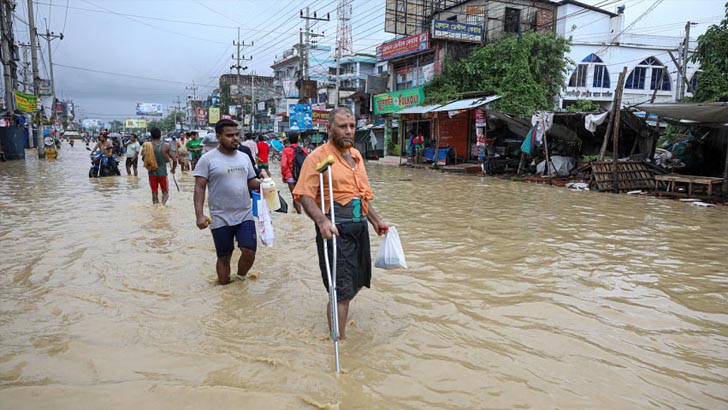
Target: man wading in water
[
  {"x": 231, "y": 176},
  {"x": 158, "y": 177},
  {"x": 352, "y": 210}
]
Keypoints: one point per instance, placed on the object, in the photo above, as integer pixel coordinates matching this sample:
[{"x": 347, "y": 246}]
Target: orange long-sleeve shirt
[{"x": 348, "y": 183}]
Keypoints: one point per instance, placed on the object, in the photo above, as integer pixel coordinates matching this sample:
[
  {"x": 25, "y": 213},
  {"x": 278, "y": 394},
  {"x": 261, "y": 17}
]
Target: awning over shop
[
  {"x": 713, "y": 113},
  {"x": 418, "y": 110},
  {"x": 467, "y": 103}
]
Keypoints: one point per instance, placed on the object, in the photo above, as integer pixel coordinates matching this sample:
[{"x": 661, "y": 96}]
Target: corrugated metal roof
[
  {"x": 418, "y": 110},
  {"x": 467, "y": 103}
]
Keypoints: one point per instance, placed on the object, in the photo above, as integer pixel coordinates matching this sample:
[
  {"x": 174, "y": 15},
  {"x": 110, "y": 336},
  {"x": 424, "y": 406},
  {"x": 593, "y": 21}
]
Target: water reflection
[{"x": 517, "y": 295}]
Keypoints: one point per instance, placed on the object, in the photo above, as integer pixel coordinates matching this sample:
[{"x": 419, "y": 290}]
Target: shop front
[
  {"x": 460, "y": 131},
  {"x": 393, "y": 102}
]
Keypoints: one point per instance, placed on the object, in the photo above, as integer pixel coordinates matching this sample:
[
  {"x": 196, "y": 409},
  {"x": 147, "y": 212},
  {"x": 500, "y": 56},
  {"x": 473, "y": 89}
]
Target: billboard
[
  {"x": 90, "y": 124},
  {"x": 300, "y": 117},
  {"x": 150, "y": 109},
  {"x": 135, "y": 123},
  {"x": 201, "y": 115},
  {"x": 403, "y": 46},
  {"x": 214, "y": 115}
]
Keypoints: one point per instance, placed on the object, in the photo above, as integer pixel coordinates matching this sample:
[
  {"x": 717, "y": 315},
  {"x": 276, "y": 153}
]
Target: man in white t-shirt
[
  {"x": 231, "y": 177},
  {"x": 132, "y": 154}
]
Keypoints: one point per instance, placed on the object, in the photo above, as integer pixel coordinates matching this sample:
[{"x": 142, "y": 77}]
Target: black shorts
[
  {"x": 132, "y": 161},
  {"x": 243, "y": 232},
  {"x": 353, "y": 258}
]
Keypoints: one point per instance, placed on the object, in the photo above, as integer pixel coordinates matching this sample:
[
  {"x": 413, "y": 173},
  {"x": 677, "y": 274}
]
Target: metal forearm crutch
[{"x": 322, "y": 167}]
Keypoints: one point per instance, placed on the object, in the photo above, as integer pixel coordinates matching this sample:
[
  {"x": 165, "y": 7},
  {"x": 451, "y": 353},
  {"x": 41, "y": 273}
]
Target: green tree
[
  {"x": 712, "y": 53},
  {"x": 168, "y": 123},
  {"x": 583, "y": 106},
  {"x": 116, "y": 126},
  {"x": 528, "y": 73}
]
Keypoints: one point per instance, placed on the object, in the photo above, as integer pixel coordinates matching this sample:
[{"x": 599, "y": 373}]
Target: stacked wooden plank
[{"x": 630, "y": 176}]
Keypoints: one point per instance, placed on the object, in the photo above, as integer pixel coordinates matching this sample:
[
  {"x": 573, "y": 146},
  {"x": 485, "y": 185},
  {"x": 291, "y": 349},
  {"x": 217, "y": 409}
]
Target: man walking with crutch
[{"x": 351, "y": 260}]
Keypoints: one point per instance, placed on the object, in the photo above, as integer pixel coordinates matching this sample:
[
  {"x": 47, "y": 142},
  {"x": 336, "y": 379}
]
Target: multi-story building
[
  {"x": 602, "y": 47},
  {"x": 289, "y": 70},
  {"x": 353, "y": 73},
  {"x": 240, "y": 94}
]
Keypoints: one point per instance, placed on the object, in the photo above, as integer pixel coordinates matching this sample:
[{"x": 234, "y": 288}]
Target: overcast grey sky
[{"x": 117, "y": 52}]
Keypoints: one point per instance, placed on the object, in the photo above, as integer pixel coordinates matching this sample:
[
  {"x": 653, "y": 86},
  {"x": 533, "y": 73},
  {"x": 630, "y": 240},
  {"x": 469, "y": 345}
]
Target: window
[
  {"x": 578, "y": 77},
  {"x": 636, "y": 79},
  {"x": 601, "y": 76},
  {"x": 657, "y": 75},
  {"x": 512, "y": 20},
  {"x": 694, "y": 83},
  {"x": 639, "y": 76}
]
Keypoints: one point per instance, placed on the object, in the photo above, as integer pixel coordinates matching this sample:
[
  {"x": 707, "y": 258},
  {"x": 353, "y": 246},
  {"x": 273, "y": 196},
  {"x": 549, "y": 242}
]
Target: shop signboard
[
  {"x": 395, "y": 101},
  {"x": 214, "y": 115},
  {"x": 150, "y": 109},
  {"x": 226, "y": 117},
  {"x": 300, "y": 117},
  {"x": 403, "y": 46},
  {"x": 320, "y": 117},
  {"x": 44, "y": 88},
  {"x": 480, "y": 119},
  {"x": 201, "y": 115},
  {"x": 452, "y": 30},
  {"x": 26, "y": 102}
]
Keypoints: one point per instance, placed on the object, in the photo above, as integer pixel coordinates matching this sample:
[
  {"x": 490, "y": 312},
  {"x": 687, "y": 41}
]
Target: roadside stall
[
  {"x": 457, "y": 129},
  {"x": 705, "y": 148}
]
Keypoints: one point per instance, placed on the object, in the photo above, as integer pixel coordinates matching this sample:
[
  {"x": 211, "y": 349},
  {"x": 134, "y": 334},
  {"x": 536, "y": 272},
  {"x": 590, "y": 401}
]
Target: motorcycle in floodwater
[{"x": 103, "y": 166}]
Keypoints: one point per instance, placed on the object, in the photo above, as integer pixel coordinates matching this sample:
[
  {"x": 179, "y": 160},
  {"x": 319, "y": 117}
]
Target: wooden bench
[{"x": 690, "y": 180}]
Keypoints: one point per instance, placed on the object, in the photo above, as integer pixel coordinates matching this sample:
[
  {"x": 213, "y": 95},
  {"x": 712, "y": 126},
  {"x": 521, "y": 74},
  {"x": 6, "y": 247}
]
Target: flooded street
[{"x": 516, "y": 296}]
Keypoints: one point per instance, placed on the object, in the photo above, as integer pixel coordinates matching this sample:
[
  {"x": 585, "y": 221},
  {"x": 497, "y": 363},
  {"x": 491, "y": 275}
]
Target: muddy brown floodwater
[{"x": 516, "y": 296}]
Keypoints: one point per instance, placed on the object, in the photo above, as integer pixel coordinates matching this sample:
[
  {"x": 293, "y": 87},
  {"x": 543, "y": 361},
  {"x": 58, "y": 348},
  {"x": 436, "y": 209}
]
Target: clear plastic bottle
[{"x": 270, "y": 194}]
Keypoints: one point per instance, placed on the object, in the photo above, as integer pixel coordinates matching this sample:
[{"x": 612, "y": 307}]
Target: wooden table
[{"x": 690, "y": 180}]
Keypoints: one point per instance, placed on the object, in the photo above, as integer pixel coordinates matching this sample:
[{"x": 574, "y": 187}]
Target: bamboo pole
[{"x": 616, "y": 128}]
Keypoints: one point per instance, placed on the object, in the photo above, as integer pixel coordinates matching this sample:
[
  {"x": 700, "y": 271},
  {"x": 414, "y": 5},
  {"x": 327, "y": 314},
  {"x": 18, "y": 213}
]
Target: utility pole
[
  {"x": 177, "y": 107},
  {"x": 32, "y": 32},
  {"x": 684, "y": 59},
  {"x": 27, "y": 81},
  {"x": 48, "y": 36},
  {"x": 193, "y": 110},
  {"x": 305, "y": 47},
  {"x": 343, "y": 39},
  {"x": 9, "y": 54},
  {"x": 237, "y": 66}
]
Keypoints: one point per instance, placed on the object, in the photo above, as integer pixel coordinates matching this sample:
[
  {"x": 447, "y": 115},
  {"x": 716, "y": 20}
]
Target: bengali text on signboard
[
  {"x": 26, "y": 102},
  {"x": 403, "y": 46},
  {"x": 452, "y": 30},
  {"x": 398, "y": 100}
]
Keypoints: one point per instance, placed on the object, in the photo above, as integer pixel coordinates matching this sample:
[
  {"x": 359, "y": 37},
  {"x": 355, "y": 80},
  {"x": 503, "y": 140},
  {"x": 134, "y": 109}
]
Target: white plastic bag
[
  {"x": 390, "y": 254},
  {"x": 265, "y": 223}
]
